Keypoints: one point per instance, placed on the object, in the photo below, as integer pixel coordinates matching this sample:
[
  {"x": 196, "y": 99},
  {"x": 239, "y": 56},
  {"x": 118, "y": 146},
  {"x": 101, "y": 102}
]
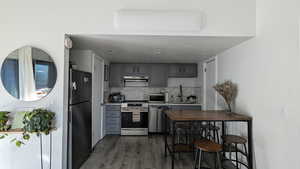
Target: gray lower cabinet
[
  {"x": 156, "y": 119},
  {"x": 158, "y": 75},
  {"x": 113, "y": 119},
  {"x": 155, "y": 124}
]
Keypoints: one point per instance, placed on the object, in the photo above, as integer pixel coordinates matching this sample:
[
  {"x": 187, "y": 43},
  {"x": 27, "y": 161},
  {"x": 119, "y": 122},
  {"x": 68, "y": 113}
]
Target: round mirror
[{"x": 28, "y": 74}]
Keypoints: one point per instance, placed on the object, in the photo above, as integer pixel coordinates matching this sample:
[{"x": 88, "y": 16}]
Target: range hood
[{"x": 136, "y": 81}]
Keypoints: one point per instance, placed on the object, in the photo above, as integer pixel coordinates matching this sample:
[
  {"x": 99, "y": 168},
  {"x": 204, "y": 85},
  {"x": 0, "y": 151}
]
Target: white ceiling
[{"x": 140, "y": 48}]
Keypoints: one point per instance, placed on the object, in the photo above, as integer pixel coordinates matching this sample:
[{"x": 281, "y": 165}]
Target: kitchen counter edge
[{"x": 159, "y": 104}]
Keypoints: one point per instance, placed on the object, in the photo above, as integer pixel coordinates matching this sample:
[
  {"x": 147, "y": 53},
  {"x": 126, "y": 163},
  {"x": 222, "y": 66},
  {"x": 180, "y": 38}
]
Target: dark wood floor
[{"x": 134, "y": 152}]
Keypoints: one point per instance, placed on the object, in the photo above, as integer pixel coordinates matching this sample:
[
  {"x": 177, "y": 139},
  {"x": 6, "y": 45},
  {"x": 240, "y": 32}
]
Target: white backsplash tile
[{"x": 141, "y": 93}]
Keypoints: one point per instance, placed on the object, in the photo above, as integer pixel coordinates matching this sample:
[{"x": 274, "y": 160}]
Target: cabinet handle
[
  {"x": 157, "y": 120},
  {"x": 122, "y": 82}
]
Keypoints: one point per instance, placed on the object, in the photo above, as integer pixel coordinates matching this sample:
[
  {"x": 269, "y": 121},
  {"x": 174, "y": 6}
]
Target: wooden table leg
[
  {"x": 250, "y": 143},
  {"x": 173, "y": 143},
  {"x": 166, "y": 133},
  {"x": 223, "y": 134},
  {"x": 223, "y": 128}
]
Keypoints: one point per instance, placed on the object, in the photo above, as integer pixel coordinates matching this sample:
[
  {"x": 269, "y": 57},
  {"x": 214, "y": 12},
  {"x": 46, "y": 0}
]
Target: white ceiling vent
[{"x": 158, "y": 20}]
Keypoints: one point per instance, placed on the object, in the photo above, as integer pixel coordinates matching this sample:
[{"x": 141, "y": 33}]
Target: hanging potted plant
[
  {"x": 36, "y": 122},
  {"x": 228, "y": 91},
  {"x": 4, "y": 126}
]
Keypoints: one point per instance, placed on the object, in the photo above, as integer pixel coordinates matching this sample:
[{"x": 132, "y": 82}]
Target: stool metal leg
[
  {"x": 186, "y": 137},
  {"x": 214, "y": 131},
  {"x": 229, "y": 151},
  {"x": 246, "y": 152},
  {"x": 219, "y": 161},
  {"x": 236, "y": 157},
  {"x": 196, "y": 158},
  {"x": 216, "y": 161},
  {"x": 200, "y": 156},
  {"x": 218, "y": 139}
]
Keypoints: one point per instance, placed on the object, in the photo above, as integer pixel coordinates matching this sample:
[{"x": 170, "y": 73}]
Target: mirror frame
[{"x": 54, "y": 81}]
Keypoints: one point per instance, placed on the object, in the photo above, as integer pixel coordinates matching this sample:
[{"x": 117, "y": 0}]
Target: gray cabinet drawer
[
  {"x": 110, "y": 132},
  {"x": 113, "y": 126},
  {"x": 113, "y": 108},
  {"x": 112, "y": 114},
  {"x": 113, "y": 120}
]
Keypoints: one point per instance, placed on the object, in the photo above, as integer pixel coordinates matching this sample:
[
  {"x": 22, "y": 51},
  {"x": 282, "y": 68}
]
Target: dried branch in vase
[{"x": 228, "y": 91}]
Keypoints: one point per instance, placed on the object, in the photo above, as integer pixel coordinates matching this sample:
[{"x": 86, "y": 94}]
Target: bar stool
[
  {"x": 231, "y": 143},
  {"x": 211, "y": 131},
  {"x": 183, "y": 129},
  {"x": 205, "y": 145}
]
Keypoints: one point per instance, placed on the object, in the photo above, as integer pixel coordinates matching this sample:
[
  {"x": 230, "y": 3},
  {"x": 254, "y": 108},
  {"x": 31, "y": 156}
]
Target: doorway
[
  {"x": 97, "y": 103},
  {"x": 210, "y": 79}
]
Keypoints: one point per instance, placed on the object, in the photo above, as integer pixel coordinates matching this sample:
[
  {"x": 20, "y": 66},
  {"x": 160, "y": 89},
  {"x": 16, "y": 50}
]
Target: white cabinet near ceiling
[{"x": 82, "y": 59}]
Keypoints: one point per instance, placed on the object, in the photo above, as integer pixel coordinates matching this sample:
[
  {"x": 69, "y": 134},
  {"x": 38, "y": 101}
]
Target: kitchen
[
  {"x": 141, "y": 77},
  {"x": 149, "y": 86},
  {"x": 253, "y": 43}
]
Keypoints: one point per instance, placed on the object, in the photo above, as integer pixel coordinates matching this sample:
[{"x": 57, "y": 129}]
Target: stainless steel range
[{"x": 134, "y": 118}]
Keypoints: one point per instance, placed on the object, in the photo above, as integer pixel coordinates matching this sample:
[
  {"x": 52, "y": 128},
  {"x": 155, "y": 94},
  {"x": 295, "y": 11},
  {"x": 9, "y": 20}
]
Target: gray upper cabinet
[
  {"x": 136, "y": 69},
  {"x": 158, "y": 75},
  {"x": 116, "y": 75},
  {"x": 183, "y": 70},
  {"x": 158, "y": 72}
]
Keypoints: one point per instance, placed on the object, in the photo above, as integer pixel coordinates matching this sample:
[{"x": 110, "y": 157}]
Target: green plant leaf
[
  {"x": 19, "y": 143},
  {"x": 13, "y": 140},
  {"x": 26, "y": 136},
  {"x": 38, "y": 121}
]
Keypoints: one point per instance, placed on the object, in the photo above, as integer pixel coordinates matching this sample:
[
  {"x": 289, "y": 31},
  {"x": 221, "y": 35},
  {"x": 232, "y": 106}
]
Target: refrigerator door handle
[
  {"x": 70, "y": 115},
  {"x": 157, "y": 119},
  {"x": 74, "y": 86}
]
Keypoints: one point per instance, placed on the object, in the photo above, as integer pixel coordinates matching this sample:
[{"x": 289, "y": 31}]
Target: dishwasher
[{"x": 155, "y": 119}]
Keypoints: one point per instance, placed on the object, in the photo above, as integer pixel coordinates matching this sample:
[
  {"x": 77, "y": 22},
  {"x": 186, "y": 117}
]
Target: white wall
[
  {"x": 267, "y": 70},
  {"x": 43, "y": 24},
  {"x": 231, "y": 17}
]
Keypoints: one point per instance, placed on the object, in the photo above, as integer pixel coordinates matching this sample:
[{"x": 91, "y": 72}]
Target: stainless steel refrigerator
[{"x": 80, "y": 114}]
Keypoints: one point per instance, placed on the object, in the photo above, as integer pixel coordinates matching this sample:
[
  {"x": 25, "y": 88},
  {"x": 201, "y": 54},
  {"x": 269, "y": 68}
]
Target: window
[
  {"x": 41, "y": 75},
  {"x": 44, "y": 76},
  {"x": 10, "y": 76}
]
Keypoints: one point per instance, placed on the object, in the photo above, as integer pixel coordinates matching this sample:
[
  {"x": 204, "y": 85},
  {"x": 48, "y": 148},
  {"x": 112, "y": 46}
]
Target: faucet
[{"x": 180, "y": 93}]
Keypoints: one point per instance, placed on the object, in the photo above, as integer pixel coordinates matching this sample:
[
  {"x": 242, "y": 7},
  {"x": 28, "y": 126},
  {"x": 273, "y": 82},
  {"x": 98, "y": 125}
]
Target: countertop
[
  {"x": 208, "y": 115},
  {"x": 162, "y": 104}
]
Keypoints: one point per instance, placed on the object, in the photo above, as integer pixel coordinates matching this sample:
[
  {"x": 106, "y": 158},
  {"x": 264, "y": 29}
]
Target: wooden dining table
[{"x": 172, "y": 117}]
